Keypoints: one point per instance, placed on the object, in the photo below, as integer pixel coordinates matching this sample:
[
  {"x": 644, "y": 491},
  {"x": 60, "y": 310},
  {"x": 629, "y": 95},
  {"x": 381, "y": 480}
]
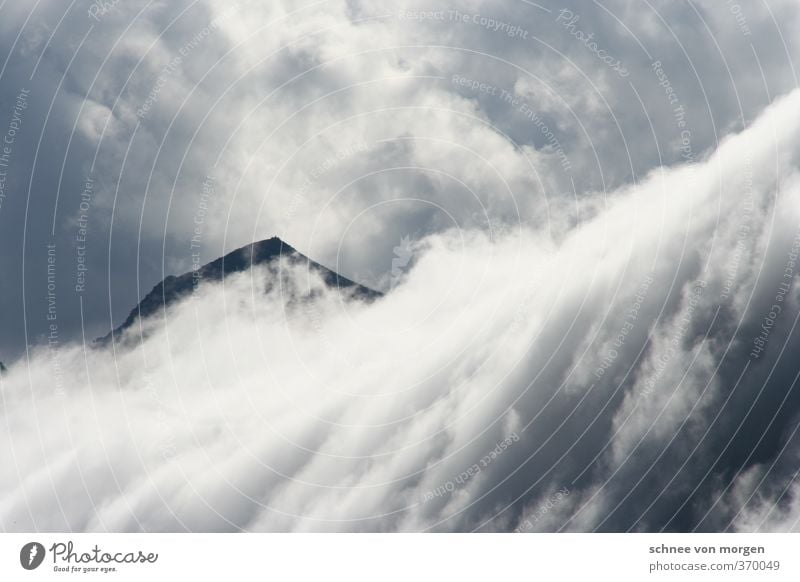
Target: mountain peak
[{"x": 174, "y": 288}]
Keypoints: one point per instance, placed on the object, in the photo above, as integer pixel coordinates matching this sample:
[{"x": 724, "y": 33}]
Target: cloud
[
  {"x": 151, "y": 99},
  {"x": 497, "y": 387}
]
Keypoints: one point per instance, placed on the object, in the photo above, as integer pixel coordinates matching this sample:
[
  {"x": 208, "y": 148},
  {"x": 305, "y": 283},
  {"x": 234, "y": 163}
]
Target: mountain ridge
[{"x": 177, "y": 287}]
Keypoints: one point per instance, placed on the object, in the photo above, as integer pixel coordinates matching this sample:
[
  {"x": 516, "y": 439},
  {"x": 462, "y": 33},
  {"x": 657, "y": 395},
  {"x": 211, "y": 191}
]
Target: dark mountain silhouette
[{"x": 174, "y": 288}]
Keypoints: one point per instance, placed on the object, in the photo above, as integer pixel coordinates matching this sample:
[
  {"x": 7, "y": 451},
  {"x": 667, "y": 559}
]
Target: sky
[{"x": 584, "y": 217}]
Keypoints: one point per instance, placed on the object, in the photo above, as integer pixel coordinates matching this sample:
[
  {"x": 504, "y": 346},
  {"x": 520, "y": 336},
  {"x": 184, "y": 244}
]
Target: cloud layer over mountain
[
  {"x": 616, "y": 365},
  {"x": 589, "y": 245}
]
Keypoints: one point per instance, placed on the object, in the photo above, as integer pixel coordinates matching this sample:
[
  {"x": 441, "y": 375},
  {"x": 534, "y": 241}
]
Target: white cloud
[{"x": 251, "y": 411}]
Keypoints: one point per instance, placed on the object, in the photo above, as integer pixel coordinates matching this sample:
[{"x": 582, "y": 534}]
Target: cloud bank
[{"x": 633, "y": 373}]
